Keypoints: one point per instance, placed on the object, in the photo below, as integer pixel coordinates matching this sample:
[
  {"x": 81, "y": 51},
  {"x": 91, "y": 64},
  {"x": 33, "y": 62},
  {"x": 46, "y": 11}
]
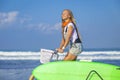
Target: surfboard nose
[{"x": 76, "y": 70}]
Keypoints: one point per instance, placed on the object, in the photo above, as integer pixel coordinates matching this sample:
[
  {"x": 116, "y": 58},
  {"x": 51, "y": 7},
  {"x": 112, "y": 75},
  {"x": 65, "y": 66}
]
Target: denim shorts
[{"x": 75, "y": 48}]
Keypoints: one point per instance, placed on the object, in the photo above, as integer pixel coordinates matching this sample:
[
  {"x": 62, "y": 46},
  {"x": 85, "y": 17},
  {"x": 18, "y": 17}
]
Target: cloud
[
  {"x": 13, "y": 18},
  {"x": 45, "y": 28},
  {"x": 57, "y": 26},
  {"x": 24, "y": 19},
  {"x": 9, "y": 17}
]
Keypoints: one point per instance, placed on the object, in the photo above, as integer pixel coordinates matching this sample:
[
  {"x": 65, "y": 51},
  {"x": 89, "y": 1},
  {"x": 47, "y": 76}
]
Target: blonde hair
[
  {"x": 73, "y": 21},
  {"x": 71, "y": 16}
]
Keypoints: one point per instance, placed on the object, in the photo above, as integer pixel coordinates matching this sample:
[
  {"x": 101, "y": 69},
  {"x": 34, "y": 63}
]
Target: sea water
[{"x": 16, "y": 65}]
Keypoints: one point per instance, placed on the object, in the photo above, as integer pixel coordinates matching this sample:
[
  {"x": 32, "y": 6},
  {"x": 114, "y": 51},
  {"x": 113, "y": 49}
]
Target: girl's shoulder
[{"x": 70, "y": 24}]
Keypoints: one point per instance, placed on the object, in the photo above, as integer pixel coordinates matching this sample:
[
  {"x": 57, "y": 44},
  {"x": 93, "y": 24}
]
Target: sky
[{"x": 30, "y": 25}]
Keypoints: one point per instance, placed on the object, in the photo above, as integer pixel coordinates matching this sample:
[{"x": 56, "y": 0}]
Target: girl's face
[{"x": 65, "y": 15}]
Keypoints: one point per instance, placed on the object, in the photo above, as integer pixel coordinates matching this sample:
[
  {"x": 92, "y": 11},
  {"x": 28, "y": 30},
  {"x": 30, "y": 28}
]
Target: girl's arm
[
  {"x": 69, "y": 34},
  {"x": 63, "y": 40}
]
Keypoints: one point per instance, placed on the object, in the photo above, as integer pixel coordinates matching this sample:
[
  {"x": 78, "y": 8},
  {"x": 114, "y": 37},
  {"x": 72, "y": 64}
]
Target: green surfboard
[{"x": 74, "y": 70}]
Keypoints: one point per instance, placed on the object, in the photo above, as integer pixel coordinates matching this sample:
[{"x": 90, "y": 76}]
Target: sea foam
[{"x": 88, "y": 55}]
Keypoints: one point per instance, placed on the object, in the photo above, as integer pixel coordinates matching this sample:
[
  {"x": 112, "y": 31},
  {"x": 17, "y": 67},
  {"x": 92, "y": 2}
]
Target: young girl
[{"x": 70, "y": 36}]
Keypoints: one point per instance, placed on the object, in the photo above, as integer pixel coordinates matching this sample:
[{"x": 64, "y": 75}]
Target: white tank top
[{"x": 74, "y": 33}]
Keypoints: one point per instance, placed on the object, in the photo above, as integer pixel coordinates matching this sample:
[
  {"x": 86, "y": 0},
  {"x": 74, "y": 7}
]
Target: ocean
[{"x": 18, "y": 65}]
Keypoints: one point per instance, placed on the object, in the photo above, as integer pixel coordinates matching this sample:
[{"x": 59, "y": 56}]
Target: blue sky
[{"x": 29, "y": 25}]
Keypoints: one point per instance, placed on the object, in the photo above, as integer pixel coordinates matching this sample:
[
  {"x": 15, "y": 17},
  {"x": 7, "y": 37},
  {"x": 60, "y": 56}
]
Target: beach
[{"x": 19, "y": 65}]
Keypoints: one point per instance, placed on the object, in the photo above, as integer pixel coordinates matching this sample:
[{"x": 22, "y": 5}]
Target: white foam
[
  {"x": 100, "y": 52},
  {"x": 86, "y": 60},
  {"x": 19, "y": 53},
  {"x": 113, "y": 55}
]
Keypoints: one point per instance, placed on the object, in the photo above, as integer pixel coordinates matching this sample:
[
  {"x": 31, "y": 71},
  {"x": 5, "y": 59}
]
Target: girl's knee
[
  {"x": 70, "y": 57},
  {"x": 31, "y": 77}
]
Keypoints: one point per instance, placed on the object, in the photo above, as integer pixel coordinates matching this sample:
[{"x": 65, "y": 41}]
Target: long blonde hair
[
  {"x": 73, "y": 21},
  {"x": 71, "y": 16}
]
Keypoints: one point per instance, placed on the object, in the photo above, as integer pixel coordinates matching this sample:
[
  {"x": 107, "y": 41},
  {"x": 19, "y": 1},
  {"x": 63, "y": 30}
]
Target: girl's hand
[{"x": 60, "y": 50}]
